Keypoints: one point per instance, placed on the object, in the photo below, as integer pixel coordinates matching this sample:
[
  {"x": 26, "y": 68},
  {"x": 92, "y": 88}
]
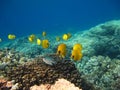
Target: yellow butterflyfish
[
  {"x": 11, "y": 36},
  {"x": 61, "y": 50},
  {"x": 76, "y": 55},
  {"x": 45, "y": 43},
  {"x": 31, "y": 38},
  {"x": 65, "y": 37},
  {"x": 77, "y": 47},
  {"x": 38, "y": 41}
]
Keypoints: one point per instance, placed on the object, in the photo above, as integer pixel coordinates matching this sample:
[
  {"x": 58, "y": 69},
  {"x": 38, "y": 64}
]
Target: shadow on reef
[{"x": 37, "y": 72}]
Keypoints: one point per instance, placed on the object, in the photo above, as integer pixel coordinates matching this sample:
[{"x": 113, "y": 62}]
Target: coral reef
[
  {"x": 9, "y": 57},
  {"x": 61, "y": 84},
  {"x": 102, "y": 39},
  {"x": 101, "y": 71},
  {"x": 106, "y": 37},
  {"x": 31, "y": 50},
  {"x": 38, "y": 72},
  {"x": 98, "y": 69}
]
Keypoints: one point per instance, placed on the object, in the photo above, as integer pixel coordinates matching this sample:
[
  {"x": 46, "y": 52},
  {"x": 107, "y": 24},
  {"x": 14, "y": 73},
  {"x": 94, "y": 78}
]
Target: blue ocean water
[{"x": 23, "y": 17}]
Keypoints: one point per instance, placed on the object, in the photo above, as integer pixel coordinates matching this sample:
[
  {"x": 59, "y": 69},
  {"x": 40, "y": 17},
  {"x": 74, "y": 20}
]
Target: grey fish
[{"x": 49, "y": 60}]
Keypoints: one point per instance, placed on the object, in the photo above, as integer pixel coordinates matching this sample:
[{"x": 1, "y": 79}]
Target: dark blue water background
[{"x": 23, "y": 17}]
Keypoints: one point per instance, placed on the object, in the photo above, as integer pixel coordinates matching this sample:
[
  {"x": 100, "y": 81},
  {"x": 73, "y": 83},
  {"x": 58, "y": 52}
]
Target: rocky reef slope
[{"x": 100, "y": 64}]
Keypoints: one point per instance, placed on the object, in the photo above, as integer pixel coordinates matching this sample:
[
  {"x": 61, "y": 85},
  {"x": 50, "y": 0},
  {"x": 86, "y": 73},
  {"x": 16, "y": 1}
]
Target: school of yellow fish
[{"x": 76, "y": 52}]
